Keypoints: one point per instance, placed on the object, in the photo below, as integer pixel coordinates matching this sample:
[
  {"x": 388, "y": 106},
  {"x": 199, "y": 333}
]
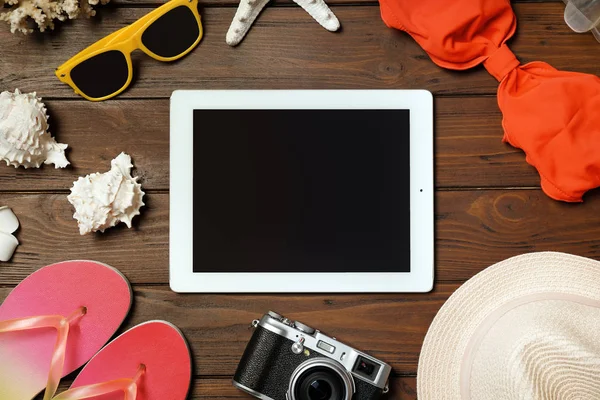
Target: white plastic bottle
[{"x": 583, "y": 16}]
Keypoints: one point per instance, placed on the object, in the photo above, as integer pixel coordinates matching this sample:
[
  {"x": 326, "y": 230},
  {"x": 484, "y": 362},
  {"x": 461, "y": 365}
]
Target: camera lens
[
  {"x": 320, "y": 390},
  {"x": 320, "y": 383},
  {"x": 321, "y": 379}
]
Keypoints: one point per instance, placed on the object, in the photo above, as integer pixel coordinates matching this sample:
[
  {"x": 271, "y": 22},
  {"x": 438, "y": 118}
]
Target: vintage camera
[{"x": 288, "y": 360}]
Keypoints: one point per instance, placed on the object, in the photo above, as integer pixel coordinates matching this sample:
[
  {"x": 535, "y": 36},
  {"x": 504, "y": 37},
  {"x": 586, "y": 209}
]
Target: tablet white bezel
[{"x": 182, "y": 277}]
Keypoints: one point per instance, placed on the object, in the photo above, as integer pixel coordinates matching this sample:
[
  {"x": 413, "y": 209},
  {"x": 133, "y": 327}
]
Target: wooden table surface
[{"x": 488, "y": 202}]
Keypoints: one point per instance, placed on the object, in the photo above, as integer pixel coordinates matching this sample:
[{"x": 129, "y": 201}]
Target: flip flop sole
[
  {"x": 159, "y": 346},
  {"x": 59, "y": 289}
]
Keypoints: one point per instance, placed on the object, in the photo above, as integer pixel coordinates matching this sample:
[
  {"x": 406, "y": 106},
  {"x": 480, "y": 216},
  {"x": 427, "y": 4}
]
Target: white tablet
[{"x": 301, "y": 191}]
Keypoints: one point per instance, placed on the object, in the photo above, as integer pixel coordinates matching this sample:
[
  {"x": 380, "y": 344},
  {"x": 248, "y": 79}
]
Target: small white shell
[
  {"x": 8, "y": 244},
  {"x": 8, "y": 220},
  {"x": 24, "y": 137},
  {"x": 8, "y": 224},
  {"x": 103, "y": 200}
]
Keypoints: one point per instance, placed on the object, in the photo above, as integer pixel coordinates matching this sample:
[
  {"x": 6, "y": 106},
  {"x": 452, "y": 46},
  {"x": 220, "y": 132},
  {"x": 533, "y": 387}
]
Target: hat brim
[{"x": 449, "y": 336}]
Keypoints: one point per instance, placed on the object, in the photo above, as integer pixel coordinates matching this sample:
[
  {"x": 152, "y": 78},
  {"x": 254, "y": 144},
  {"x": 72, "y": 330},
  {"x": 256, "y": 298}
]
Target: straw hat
[{"x": 525, "y": 328}]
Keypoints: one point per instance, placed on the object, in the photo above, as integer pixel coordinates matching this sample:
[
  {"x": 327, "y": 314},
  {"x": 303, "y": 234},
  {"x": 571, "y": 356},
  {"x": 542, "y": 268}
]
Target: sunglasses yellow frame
[{"x": 127, "y": 40}]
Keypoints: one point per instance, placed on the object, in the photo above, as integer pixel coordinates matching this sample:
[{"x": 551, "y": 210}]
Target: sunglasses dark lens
[
  {"x": 173, "y": 33},
  {"x": 101, "y": 75}
]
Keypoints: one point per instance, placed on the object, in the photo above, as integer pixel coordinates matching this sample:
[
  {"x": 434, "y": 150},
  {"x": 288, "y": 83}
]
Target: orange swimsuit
[{"x": 554, "y": 116}]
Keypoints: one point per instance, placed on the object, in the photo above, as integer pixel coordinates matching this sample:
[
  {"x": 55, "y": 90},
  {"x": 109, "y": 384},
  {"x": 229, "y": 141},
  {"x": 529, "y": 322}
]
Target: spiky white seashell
[
  {"x": 24, "y": 137},
  {"x": 103, "y": 200},
  {"x": 8, "y": 225}
]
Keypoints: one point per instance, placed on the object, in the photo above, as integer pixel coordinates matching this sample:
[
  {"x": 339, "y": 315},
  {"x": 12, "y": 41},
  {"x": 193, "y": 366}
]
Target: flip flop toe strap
[
  {"x": 126, "y": 385},
  {"x": 61, "y": 324}
]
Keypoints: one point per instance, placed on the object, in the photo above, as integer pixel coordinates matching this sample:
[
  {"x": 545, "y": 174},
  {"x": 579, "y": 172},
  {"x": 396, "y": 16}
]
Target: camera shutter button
[
  {"x": 298, "y": 347},
  {"x": 304, "y": 328}
]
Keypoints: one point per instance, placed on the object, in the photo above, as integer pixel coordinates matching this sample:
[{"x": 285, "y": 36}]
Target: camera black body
[{"x": 288, "y": 360}]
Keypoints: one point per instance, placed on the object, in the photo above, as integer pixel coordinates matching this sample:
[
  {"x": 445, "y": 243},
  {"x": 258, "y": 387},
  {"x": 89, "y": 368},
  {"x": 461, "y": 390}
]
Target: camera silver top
[
  {"x": 273, "y": 314},
  {"x": 306, "y": 340},
  {"x": 304, "y": 328}
]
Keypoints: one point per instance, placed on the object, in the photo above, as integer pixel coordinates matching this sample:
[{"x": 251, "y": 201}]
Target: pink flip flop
[
  {"x": 150, "y": 361},
  {"x": 54, "y": 321}
]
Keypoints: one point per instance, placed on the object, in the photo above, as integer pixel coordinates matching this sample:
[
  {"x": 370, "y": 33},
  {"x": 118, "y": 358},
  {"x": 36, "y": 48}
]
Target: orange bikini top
[{"x": 554, "y": 116}]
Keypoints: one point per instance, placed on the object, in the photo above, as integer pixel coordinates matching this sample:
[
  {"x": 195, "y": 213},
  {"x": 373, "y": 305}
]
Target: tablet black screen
[{"x": 301, "y": 191}]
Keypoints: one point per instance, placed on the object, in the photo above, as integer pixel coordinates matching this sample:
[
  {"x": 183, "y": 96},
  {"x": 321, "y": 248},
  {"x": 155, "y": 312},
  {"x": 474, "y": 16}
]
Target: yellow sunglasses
[{"x": 104, "y": 69}]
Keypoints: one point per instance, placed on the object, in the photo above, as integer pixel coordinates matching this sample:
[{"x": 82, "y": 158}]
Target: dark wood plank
[
  {"x": 390, "y": 327},
  {"x": 469, "y": 150},
  {"x": 474, "y": 229},
  {"x": 48, "y": 234},
  {"x": 138, "y": 128},
  {"x": 365, "y": 54},
  {"x": 401, "y": 388}
]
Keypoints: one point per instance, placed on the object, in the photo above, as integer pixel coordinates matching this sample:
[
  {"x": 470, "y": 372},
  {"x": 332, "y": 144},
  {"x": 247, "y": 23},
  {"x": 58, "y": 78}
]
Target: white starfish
[{"x": 248, "y": 10}]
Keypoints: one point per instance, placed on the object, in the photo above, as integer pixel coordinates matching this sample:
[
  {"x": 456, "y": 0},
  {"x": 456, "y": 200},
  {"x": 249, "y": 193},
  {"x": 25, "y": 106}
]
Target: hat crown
[
  {"x": 542, "y": 349},
  {"x": 525, "y": 328}
]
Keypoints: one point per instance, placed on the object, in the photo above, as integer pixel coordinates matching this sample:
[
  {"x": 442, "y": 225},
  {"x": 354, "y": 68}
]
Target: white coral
[
  {"x": 24, "y": 137},
  {"x": 43, "y": 12},
  {"x": 103, "y": 200}
]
